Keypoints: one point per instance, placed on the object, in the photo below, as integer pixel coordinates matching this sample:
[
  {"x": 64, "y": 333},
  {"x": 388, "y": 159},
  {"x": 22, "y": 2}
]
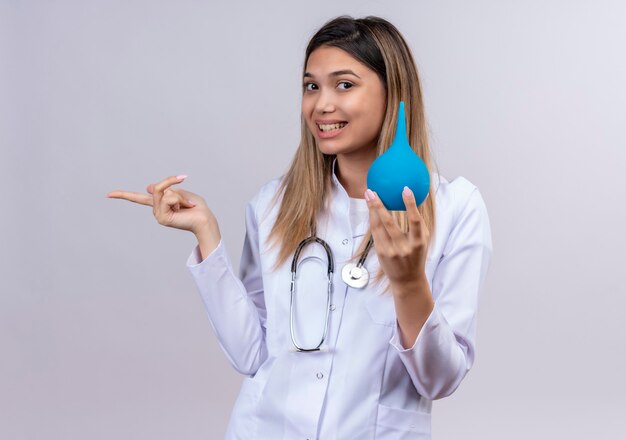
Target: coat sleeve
[
  {"x": 235, "y": 305},
  {"x": 443, "y": 352}
]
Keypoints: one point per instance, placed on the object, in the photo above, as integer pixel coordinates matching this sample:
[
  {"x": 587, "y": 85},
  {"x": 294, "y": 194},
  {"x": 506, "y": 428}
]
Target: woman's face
[{"x": 343, "y": 102}]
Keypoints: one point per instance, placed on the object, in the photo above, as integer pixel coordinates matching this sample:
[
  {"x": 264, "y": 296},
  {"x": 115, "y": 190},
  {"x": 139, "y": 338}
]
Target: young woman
[{"x": 326, "y": 355}]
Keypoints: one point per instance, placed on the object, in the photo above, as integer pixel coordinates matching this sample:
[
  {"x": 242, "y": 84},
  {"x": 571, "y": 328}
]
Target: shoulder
[
  {"x": 269, "y": 188},
  {"x": 456, "y": 195},
  {"x": 461, "y": 215},
  {"x": 263, "y": 198}
]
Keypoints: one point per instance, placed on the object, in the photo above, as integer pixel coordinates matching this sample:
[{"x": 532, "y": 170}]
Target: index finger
[
  {"x": 142, "y": 199},
  {"x": 386, "y": 220}
]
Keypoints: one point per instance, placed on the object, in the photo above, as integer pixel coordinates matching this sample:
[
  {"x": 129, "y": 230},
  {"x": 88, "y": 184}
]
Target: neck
[{"x": 351, "y": 172}]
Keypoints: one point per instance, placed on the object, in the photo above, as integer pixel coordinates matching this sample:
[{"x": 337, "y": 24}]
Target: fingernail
[
  {"x": 407, "y": 192},
  {"x": 191, "y": 203},
  {"x": 369, "y": 195},
  {"x": 182, "y": 176}
]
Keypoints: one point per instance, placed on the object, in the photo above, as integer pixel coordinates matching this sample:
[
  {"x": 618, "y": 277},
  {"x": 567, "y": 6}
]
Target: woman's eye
[
  {"x": 346, "y": 84},
  {"x": 310, "y": 86}
]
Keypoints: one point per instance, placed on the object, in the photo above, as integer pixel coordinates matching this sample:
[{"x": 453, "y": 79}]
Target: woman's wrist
[
  {"x": 416, "y": 286},
  {"x": 208, "y": 240}
]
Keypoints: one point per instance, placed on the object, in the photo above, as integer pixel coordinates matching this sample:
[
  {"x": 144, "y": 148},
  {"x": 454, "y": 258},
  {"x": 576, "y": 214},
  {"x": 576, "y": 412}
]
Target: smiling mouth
[{"x": 331, "y": 127}]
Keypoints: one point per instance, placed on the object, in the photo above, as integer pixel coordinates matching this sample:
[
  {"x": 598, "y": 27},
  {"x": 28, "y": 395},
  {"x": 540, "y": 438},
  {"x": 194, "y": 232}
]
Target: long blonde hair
[{"x": 307, "y": 185}]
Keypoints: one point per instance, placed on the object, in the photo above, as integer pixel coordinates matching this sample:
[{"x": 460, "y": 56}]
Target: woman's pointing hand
[{"x": 175, "y": 208}]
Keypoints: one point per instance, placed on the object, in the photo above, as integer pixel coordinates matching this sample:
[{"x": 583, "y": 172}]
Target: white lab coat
[{"x": 365, "y": 384}]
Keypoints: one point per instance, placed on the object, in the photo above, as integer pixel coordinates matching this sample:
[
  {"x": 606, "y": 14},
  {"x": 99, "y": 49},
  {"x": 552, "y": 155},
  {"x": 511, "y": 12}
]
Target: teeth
[{"x": 330, "y": 127}]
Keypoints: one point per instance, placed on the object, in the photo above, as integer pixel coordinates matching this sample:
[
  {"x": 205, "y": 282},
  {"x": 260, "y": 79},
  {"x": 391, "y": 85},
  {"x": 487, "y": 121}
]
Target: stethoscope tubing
[{"x": 330, "y": 271}]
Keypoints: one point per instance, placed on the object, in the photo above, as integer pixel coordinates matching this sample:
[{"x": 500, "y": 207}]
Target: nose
[{"x": 325, "y": 103}]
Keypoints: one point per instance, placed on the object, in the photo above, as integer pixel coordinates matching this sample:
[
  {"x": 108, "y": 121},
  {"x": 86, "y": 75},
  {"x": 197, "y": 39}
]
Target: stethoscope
[{"x": 354, "y": 275}]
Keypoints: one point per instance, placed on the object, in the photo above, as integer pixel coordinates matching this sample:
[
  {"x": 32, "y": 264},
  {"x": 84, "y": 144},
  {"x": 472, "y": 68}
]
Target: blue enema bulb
[{"x": 398, "y": 167}]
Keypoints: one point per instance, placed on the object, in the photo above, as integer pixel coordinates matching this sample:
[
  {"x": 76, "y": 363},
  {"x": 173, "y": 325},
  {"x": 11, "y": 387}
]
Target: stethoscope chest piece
[{"x": 355, "y": 276}]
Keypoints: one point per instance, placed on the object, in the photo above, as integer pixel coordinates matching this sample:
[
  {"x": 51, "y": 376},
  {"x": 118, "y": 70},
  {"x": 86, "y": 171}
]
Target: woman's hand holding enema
[
  {"x": 402, "y": 255},
  {"x": 178, "y": 209}
]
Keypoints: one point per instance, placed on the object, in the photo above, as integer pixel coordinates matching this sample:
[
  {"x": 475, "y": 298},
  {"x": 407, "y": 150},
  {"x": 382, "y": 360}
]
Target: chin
[
  {"x": 337, "y": 149},
  {"x": 331, "y": 150}
]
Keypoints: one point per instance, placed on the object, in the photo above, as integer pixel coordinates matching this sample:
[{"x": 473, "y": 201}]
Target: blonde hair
[{"x": 307, "y": 185}]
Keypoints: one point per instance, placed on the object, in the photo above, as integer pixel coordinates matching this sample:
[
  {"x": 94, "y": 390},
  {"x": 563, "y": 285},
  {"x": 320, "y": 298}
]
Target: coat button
[
  {"x": 332, "y": 307},
  {"x": 345, "y": 241},
  {"x": 320, "y": 375}
]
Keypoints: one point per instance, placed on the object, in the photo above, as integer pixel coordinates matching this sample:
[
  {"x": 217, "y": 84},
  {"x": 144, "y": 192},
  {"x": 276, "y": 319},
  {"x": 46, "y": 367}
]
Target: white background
[{"x": 102, "y": 334}]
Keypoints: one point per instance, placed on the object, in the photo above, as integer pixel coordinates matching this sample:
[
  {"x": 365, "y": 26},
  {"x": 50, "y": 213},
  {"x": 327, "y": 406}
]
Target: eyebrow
[{"x": 337, "y": 73}]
